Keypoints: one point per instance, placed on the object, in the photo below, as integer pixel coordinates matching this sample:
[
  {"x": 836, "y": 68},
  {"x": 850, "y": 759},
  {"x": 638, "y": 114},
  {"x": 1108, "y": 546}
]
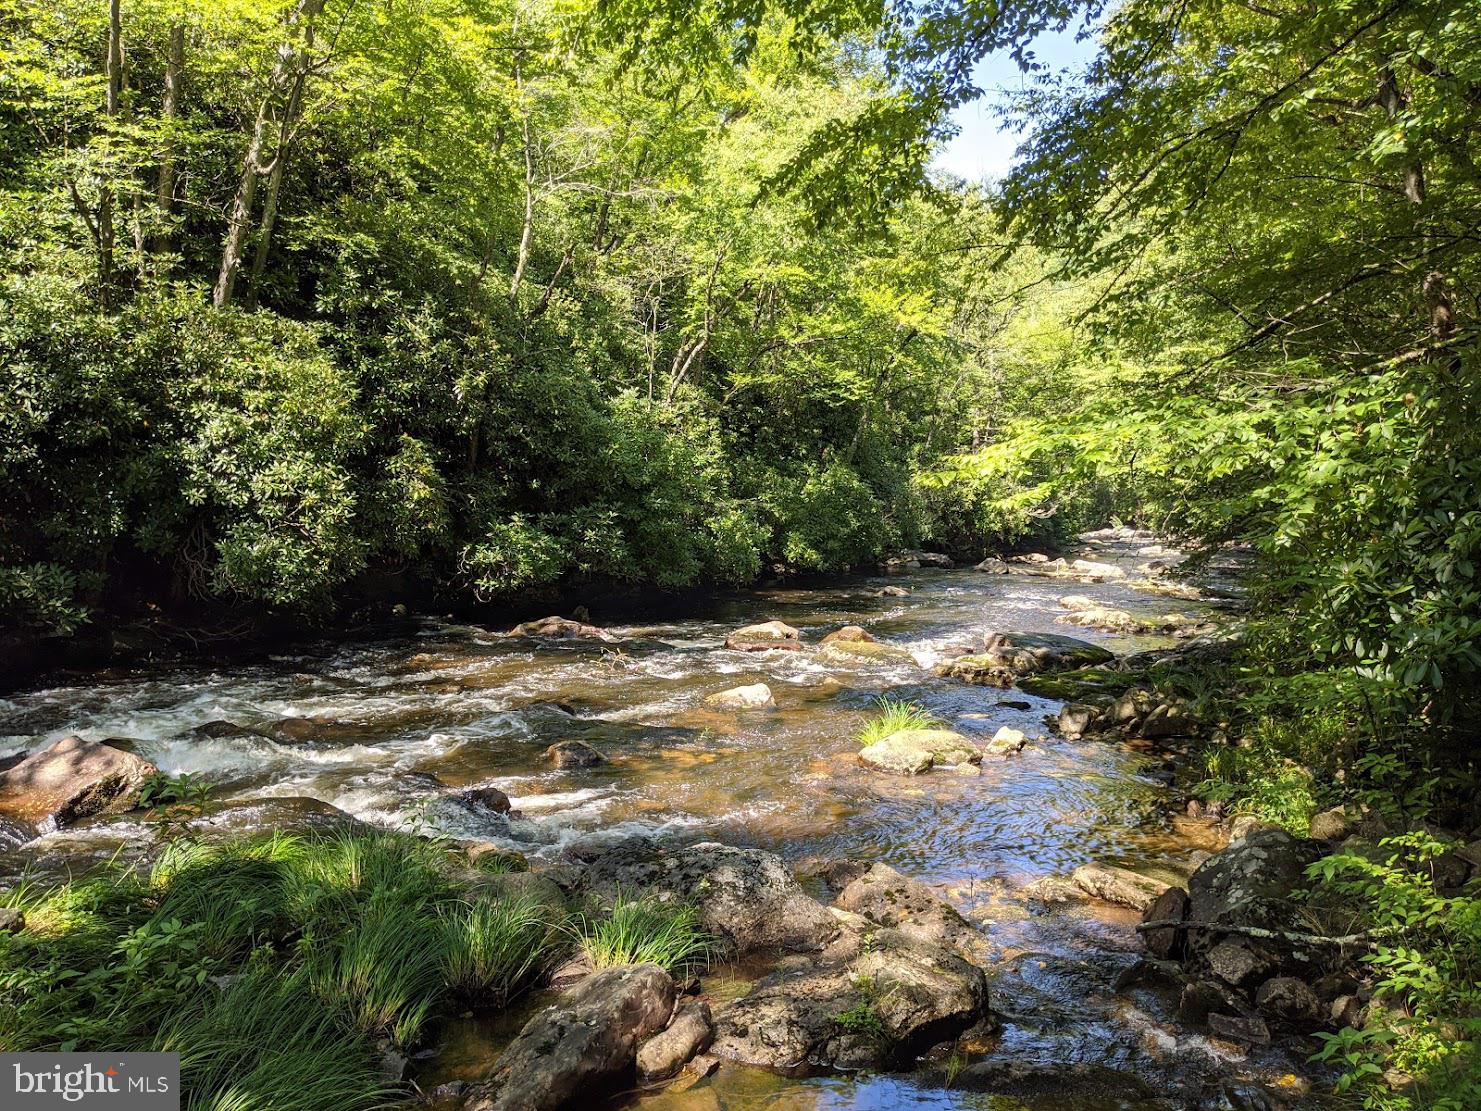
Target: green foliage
[
  {"x": 496, "y": 945},
  {"x": 1426, "y": 1020},
  {"x": 646, "y": 930},
  {"x": 894, "y": 715}
]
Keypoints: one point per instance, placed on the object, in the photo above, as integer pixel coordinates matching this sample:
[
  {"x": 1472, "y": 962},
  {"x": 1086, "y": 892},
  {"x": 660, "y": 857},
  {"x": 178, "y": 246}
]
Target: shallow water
[{"x": 389, "y": 726}]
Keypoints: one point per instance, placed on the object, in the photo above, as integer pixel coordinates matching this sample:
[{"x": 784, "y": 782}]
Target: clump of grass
[
  {"x": 385, "y": 971},
  {"x": 894, "y": 716},
  {"x": 647, "y": 931},
  {"x": 493, "y": 946},
  {"x": 268, "y": 1041}
]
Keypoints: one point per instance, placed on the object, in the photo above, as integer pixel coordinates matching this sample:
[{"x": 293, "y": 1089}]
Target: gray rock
[
  {"x": 585, "y": 1045},
  {"x": 1250, "y": 883},
  {"x": 12, "y": 921},
  {"x": 888, "y": 898},
  {"x": 559, "y": 628},
  {"x": 746, "y": 897},
  {"x": 69, "y": 780},
  {"x": 1005, "y": 742},
  {"x": 992, "y": 566},
  {"x": 1170, "y": 906},
  {"x": 690, "y": 1031},
  {"x": 764, "y": 637},
  {"x": 1240, "y": 1028},
  {"x": 1236, "y": 963},
  {"x": 1121, "y": 886},
  {"x": 1030, "y": 653},
  {"x": 1289, "y": 1002},
  {"x": 757, "y": 696},
  {"x": 574, "y": 754},
  {"x": 912, "y": 751},
  {"x": 1076, "y": 719},
  {"x": 864, "y": 1004}
]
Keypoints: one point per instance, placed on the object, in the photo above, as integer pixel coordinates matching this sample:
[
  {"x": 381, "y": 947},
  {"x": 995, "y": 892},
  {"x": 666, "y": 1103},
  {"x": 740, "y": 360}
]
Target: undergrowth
[
  {"x": 894, "y": 716},
  {"x": 646, "y": 931}
]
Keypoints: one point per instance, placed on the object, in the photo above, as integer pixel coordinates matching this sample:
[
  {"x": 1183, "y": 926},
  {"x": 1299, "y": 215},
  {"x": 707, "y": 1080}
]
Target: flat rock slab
[
  {"x": 746, "y": 897},
  {"x": 584, "y": 1046},
  {"x": 69, "y": 780},
  {"x": 913, "y": 751},
  {"x": 1118, "y": 885},
  {"x": 757, "y": 696},
  {"x": 874, "y": 998}
]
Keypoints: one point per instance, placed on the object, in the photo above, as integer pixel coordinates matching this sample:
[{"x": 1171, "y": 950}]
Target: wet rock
[
  {"x": 1015, "y": 704},
  {"x": 892, "y": 592},
  {"x": 1032, "y": 653},
  {"x": 489, "y": 798},
  {"x": 745, "y": 896},
  {"x": 976, "y": 669},
  {"x": 585, "y": 1045},
  {"x": 69, "y": 780},
  {"x": 1240, "y": 1028},
  {"x": 850, "y": 633},
  {"x": 1289, "y": 1002},
  {"x": 757, "y": 696},
  {"x": 220, "y": 728},
  {"x": 1092, "y": 571},
  {"x": 1236, "y": 963},
  {"x": 1076, "y": 719},
  {"x": 12, "y": 921},
  {"x": 1118, "y": 885},
  {"x": 690, "y": 1031},
  {"x": 914, "y": 558},
  {"x": 559, "y": 628},
  {"x": 1170, "y": 906},
  {"x": 888, "y": 898},
  {"x": 764, "y": 637},
  {"x": 874, "y": 998},
  {"x": 867, "y": 650},
  {"x": 299, "y": 815},
  {"x": 913, "y": 751},
  {"x": 574, "y": 754},
  {"x": 1005, "y": 742},
  {"x": 1202, "y": 998},
  {"x": 1103, "y": 617},
  {"x": 992, "y": 566},
  {"x": 1251, "y": 882}
]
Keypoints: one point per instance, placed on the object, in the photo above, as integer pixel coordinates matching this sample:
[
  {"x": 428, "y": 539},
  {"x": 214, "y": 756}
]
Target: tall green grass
[
  {"x": 647, "y": 931},
  {"x": 894, "y": 716},
  {"x": 494, "y": 946}
]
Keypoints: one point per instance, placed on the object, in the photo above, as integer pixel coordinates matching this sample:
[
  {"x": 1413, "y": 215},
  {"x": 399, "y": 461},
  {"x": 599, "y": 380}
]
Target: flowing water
[{"x": 383, "y": 730}]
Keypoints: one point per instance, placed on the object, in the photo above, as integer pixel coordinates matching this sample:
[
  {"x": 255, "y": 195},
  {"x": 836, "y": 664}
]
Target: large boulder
[
  {"x": 764, "y": 637},
  {"x": 757, "y": 696},
  {"x": 581, "y": 1048},
  {"x": 976, "y": 669},
  {"x": 69, "y": 780},
  {"x": 1251, "y": 883},
  {"x": 888, "y": 898},
  {"x": 874, "y": 998},
  {"x": 912, "y": 751},
  {"x": 746, "y": 897},
  {"x": 850, "y": 650},
  {"x": 559, "y": 628}
]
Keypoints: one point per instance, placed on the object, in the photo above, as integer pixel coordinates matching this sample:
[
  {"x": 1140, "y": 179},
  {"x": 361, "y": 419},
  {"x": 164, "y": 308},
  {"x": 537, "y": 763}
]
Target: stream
[{"x": 383, "y": 729}]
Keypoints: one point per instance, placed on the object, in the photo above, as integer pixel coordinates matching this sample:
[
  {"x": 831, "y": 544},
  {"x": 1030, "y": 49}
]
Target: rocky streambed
[{"x": 955, "y": 926}]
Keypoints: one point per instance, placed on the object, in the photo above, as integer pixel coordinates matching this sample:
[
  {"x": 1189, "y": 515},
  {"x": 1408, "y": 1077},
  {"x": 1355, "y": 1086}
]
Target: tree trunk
[
  {"x": 274, "y": 185},
  {"x": 113, "y": 71},
  {"x": 164, "y": 187},
  {"x": 239, "y": 220}
]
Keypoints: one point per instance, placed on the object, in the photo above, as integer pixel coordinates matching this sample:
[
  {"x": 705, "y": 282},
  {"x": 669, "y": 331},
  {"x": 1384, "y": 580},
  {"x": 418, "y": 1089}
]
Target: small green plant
[
  {"x": 646, "y": 931},
  {"x": 861, "y": 1018},
  {"x": 1426, "y": 1021},
  {"x": 896, "y": 715},
  {"x": 174, "y": 802}
]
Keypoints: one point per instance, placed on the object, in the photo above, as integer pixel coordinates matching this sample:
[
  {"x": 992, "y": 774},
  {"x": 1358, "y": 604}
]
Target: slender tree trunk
[
  {"x": 113, "y": 71},
  {"x": 239, "y": 219},
  {"x": 274, "y": 186},
  {"x": 1392, "y": 99},
  {"x": 164, "y": 187}
]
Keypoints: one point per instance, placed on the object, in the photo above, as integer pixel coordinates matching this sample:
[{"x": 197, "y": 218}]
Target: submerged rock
[
  {"x": 874, "y": 998},
  {"x": 746, "y": 897},
  {"x": 69, "y": 780},
  {"x": 764, "y": 637},
  {"x": 583, "y": 1047},
  {"x": 757, "y": 696},
  {"x": 574, "y": 754},
  {"x": 913, "y": 751},
  {"x": 489, "y": 798}
]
